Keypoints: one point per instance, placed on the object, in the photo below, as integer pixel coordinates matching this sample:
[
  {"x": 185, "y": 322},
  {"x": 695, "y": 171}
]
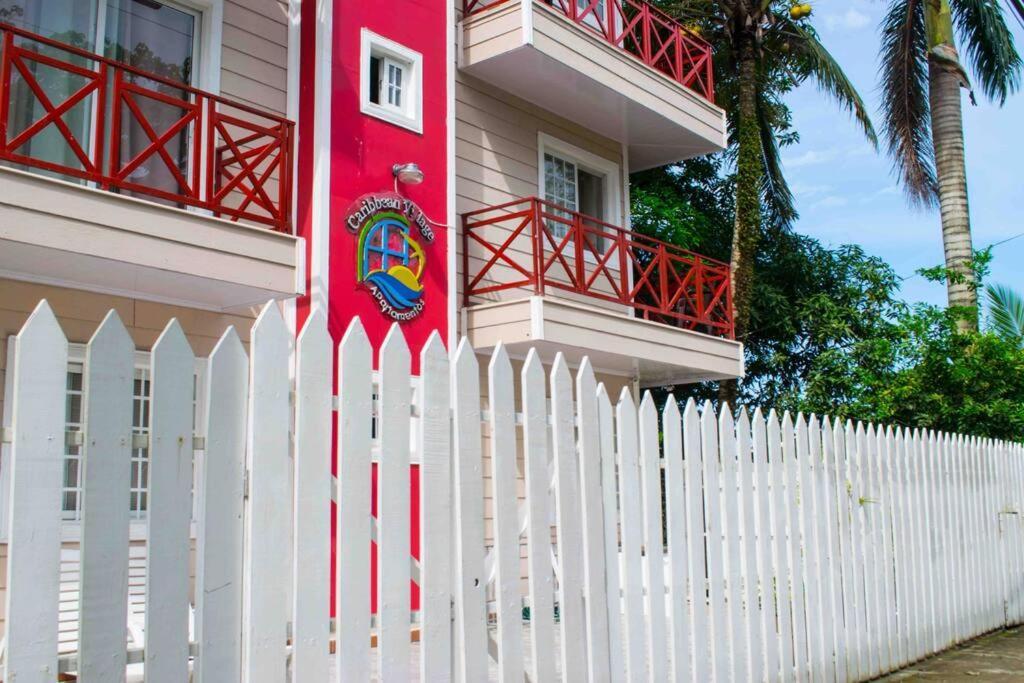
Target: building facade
[{"x": 451, "y": 165}]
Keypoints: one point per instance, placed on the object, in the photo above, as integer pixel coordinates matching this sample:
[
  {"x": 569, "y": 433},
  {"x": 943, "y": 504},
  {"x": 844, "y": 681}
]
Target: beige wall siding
[
  {"x": 496, "y": 149},
  {"x": 254, "y": 53}
]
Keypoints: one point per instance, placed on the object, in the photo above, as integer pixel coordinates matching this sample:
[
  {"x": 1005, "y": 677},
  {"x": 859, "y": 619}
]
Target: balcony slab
[
  {"x": 658, "y": 354},
  {"x": 71, "y": 235},
  {"x": 534, "y": 52}
]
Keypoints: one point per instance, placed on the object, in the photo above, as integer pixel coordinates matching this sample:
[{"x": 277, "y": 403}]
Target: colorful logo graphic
[{"x": 389, "y": 259}]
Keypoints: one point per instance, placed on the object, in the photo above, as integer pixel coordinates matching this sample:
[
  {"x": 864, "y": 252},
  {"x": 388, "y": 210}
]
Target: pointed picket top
[
  {"x": 602, "y": 393},
  {"x": 773, "y": 415},
  {"x": 743, "y": 420},
  {"x": 585, "y": 380},
  {"x": 354, "y": 340},
  {"x": 228, "y": 346},
  {"x": 41, "y": 326},
  {"x": 172, "y": 343},
  {"x": 560, "y": 374},
  {"x": 314, "y": 335},
  {"x": 726, "y": 423},
  {"x": 434, "y": 351},
  {"x": 787, "y": 420},
  {"x": 533, "y": 368},
  {"x": 499, "y": 369},
  {"x": 690, "y": 413},
  {"x": 465, "y": 359},
  {"x": 801, "y": 426},
  {"x": 758, "y": 415},
  {"x": 394, "y": 348},
  {"x": 707, "y": 415},
  {"x": 647, "y": 407},
  {"x": 626, "y": 398},
  {"x": 670, "y": 413},
  {"x": 813, "y": 422},
  {"x": 270, "y": 327},
  {"x": 111, "y": 335}
]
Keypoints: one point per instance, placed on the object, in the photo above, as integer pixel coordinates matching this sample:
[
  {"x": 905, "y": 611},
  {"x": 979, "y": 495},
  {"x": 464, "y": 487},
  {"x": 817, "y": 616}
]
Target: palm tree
[
  {"x": 762, "y": 50},
  {"x": 1006, "y": 313},
  {"x": 921, "y": 77}
]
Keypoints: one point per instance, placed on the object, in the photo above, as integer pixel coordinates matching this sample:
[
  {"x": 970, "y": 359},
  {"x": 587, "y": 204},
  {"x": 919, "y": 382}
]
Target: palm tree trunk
[
  {"x": 747, "y": 230},
  {"x": 945, "y": 80}
]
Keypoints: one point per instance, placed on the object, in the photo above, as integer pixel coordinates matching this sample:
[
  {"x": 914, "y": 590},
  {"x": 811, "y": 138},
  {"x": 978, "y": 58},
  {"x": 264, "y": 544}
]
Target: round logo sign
[{"x": 389, "y": 257}]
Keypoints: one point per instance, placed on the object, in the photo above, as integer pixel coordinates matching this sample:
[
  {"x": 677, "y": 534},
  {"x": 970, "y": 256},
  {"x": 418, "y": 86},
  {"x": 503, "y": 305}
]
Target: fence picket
[
  {"x": 311, "y": 570},
  {"x": 765, "y": 567},
  {"x": 267, "y": 531},
  {"x": 809, "y": 550},
  {"x": 820, "y": 617},
  {"x": 470, "y": 580},
  {"x": 780, "y": 555},
  {"x": 106, "y": 484},
  {"x": 434, "y": 440},
  {"x": 632, "y": 537},
  {"x": 594, "y": 588},
  {"x": 834, "y": 492},
  {"x": 732, "y": 560},
  {"x": 568, "y": 532},
  {"x": 747, "y": 496},
  {"x": 170, "y": 483},
  {"x": 609, "y": 493},
  {"x": 696, "y": 545},
  {"x": 536, "y": 464},
  {"x": 675, "y": 527},
  {"x": 353, "y": 521},
  {"x": 33, "y": 560},
  {"x": 506, "y": 517},
  {"x": 793, "y": 546},
  {"x": 720, "y": 645},
  {"x": 219, "y": 537},
  {"x": 654, "y": 550},
  {"x": 393, "y": 525}
]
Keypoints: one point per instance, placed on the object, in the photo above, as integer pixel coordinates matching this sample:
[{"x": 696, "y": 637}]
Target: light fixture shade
[{"x": 409, "y": 174}]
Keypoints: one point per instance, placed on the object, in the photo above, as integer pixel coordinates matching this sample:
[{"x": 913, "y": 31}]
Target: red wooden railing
[
  {"x": 644, "y": 31},
  {"x": 234, "y": 160},
  {"x": 535, "y": 244}
]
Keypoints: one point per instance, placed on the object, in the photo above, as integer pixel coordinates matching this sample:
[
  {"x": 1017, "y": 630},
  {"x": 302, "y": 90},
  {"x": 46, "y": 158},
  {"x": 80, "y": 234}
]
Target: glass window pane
[{"x": 159, "y": 39}]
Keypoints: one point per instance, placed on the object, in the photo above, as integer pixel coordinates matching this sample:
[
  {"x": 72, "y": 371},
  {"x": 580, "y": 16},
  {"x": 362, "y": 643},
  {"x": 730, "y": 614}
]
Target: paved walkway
[{"x": 995, "y": 657}]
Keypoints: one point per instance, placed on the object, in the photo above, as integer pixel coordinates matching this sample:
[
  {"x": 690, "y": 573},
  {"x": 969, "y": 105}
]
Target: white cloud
[
  {"x": 810, "y": 158},
  {"x": 851, "y": 20},
  {"x": 830, "y": 202},
  {"x": 809, "y": 190}
]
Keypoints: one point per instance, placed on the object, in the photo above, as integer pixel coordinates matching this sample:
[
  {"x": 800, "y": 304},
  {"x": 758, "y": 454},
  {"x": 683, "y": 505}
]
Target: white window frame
[
  {"x": 410, "y": 114},
  {"x": 591, "y": 163},
  {"x": 71, "y": 529}
]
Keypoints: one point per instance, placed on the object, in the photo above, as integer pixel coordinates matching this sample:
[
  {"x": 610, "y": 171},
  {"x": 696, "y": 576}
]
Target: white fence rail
[{"x": 683, "y": 547}]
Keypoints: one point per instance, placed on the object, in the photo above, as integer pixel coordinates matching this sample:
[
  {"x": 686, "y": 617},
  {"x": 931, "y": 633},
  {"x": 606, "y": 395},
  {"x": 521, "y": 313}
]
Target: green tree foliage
[
  {"x": 1006, "y": 313},
  {"x": 829, "y": 333}
]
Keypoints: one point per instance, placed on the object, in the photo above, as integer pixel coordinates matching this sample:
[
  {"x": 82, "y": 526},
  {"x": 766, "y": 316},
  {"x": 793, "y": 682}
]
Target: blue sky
[{"x": 846, "y": 192}]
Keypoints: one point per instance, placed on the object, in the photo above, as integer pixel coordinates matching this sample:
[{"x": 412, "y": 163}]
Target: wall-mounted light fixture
[{"x": 410, "y": 173}]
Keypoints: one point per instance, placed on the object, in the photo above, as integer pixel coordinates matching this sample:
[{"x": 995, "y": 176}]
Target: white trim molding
[{"x": 590, "y": 162}]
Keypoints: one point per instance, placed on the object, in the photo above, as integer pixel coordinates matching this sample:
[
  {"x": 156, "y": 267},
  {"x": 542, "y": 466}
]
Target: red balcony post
[
  {"x": 5, "y": 84},
  {"x": 465, "y": 261},
  {"x": 577, "y": 237},
  {"x": 99, "y": 123},
  {"x": 698, "y": 279},
  {"x": 537, "y": 228}
]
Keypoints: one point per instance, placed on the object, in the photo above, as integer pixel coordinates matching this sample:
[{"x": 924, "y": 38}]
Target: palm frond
[
  {"x": 904, "y": 74},
  {"x": 1018, "y": 9},
  {"x": 830, "y": 77},
  {"x": 1006, "y": 313},
  {"x": 989, "y": 44},
  {"x": 777, "y": 197}
]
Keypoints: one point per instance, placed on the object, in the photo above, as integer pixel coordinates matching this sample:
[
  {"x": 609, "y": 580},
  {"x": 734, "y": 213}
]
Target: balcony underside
[
  {"x": 658, "y": 354},
  {"x": 535, "y": 53},
  {"x": 66, "y": 234}
]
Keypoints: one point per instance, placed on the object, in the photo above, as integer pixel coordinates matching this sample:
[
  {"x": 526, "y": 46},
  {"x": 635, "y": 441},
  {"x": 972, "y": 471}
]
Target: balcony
[
  {"x": 619, "y": 67},
  {"x": 535, "y": 274},
  {"x": 120, "y": 179}
]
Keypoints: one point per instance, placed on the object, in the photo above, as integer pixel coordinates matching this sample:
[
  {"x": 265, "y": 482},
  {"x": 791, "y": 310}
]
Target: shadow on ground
[{"x": 996, "y": 657}]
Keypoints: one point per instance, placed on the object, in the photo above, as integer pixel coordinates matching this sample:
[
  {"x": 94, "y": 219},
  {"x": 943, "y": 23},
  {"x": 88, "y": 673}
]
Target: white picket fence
[{"x": 686, "y": 548}]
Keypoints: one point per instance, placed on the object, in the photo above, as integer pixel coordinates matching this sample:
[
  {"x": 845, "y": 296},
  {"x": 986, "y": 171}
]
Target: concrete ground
[{"x": 996, "y": 657}]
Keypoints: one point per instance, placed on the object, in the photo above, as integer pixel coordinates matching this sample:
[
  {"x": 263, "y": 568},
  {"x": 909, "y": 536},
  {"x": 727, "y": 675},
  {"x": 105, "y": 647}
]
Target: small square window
[{"x": 391, "y": 82}]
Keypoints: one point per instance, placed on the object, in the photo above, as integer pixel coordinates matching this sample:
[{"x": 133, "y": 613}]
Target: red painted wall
[{"x": 363, "y": 150}]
